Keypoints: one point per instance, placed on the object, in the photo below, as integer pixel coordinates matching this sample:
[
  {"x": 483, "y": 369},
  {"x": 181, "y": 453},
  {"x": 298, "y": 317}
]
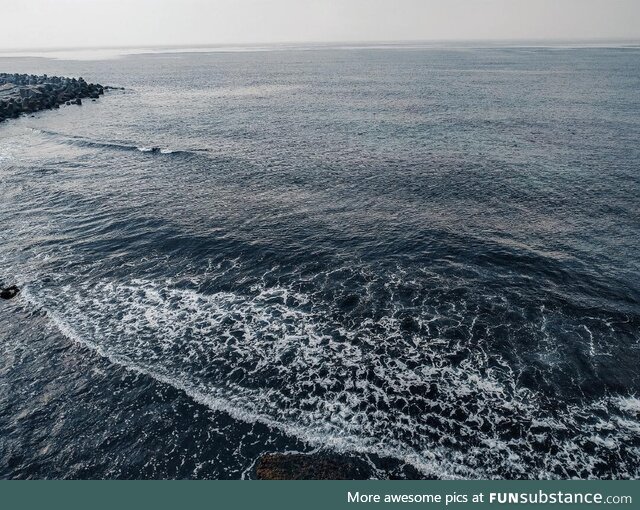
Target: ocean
[{"x": 424, "y": 259}]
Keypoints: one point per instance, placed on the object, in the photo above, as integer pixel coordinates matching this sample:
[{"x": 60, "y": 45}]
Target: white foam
[
  {"x": 239, "y": 412},
  {"x": 629, "y": 404},
  {"x": 276, "y": 357}
]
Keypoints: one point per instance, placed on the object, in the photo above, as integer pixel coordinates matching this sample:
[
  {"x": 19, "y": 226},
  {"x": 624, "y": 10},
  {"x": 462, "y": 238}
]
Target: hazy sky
[{"x": 96, "y": 23}]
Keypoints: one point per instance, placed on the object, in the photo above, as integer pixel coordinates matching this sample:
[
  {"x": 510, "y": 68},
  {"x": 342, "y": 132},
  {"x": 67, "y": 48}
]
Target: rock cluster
[
  {"x": 24, "y": 93},
  {"x": 9, "y": 292}
]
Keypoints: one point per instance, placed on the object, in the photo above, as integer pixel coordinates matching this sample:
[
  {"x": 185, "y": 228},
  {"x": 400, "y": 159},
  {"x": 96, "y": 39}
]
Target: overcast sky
[{"x": 99, "y": 23}]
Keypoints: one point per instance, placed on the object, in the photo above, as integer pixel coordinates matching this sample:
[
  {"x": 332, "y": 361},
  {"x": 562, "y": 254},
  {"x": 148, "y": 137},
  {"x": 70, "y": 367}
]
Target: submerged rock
[
  {"x": 280, "y": 466},
  {"x": 9, "y": 292}
]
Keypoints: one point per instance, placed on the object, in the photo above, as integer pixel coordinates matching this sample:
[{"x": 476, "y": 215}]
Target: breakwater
[{"x": 24, "y": 93}]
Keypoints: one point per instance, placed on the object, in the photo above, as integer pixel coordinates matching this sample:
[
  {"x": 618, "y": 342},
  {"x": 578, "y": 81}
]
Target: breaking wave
[
  {"x": 112, "y": 145},
  {"x": 441, "y": 402}
]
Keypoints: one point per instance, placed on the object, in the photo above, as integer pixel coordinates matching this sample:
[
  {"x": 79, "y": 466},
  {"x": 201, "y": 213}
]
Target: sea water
[{"x": 424, "y": 258}]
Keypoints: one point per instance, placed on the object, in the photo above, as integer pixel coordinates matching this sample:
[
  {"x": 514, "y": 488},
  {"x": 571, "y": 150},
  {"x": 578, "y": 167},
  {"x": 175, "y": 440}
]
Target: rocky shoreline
[{"x": 25, "y": 93}]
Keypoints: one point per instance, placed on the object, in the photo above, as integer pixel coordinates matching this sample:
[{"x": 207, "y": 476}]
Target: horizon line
[{"x": 600, "y": 40}]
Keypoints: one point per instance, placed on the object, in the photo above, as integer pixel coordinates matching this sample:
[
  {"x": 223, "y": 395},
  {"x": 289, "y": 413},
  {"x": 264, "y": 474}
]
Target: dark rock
[
  {"x": 9, "y": 292},
  {"x": 279, "y": 466},
  {"x": 22, "y": 93}
]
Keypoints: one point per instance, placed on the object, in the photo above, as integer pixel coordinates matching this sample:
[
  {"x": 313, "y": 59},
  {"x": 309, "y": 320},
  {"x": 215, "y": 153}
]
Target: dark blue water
[{"x": 426, "y": 259}]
